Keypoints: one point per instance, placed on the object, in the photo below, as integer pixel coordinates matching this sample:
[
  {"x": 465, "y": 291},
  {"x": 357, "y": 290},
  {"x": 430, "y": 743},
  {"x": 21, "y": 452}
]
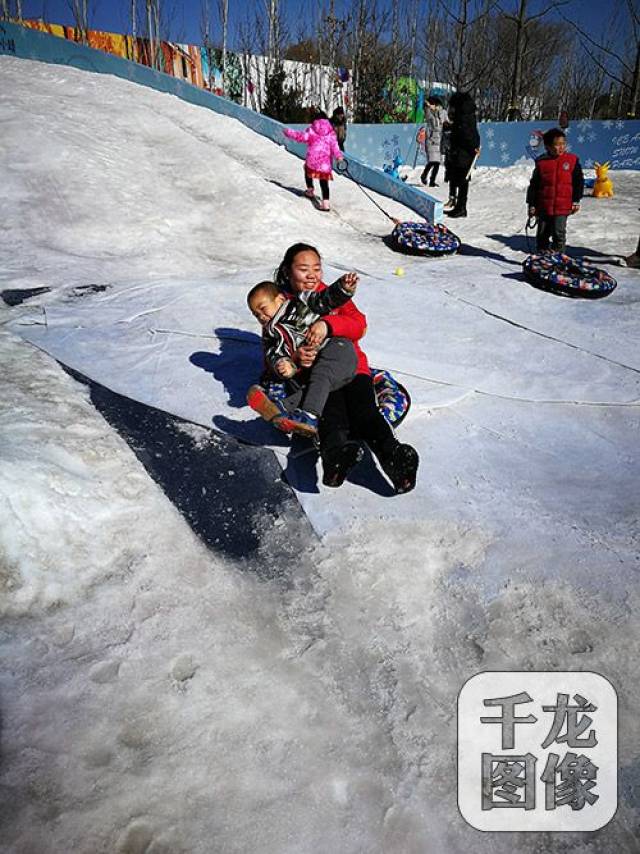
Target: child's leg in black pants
[
  {"x": 324, "y": 188},
  {"x": 559, "y": 233},
  {"x": 333, "y": 368},
  {"x": 544, "y": 232}
]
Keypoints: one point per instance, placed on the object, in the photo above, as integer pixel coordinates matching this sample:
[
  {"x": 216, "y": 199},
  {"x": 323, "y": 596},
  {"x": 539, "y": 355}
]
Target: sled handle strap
[{"x": 342, "y": 166}]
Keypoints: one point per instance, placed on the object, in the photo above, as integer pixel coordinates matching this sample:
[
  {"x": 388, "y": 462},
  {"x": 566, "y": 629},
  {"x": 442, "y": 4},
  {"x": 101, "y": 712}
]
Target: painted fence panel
[{"x": 505, "y": 143}]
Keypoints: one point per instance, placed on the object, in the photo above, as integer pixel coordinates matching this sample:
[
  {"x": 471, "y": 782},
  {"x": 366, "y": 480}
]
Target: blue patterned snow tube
[
  {"x": 570, "y": 277},
  {"x": 392, "y": 398},
  {"x": 422, "y": 238}
]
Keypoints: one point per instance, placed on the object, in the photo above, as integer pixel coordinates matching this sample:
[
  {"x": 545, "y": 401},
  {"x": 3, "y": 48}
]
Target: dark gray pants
[
  {"x": 551, "y": 229},
  {"x": 334, "y": 367}
]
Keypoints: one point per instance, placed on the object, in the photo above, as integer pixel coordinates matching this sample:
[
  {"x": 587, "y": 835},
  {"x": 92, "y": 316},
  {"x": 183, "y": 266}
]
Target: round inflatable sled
[
  {"x": 422, "y": 238},
  {"x": 392, "y": 398},
  {"x": 570, "y": 277}
]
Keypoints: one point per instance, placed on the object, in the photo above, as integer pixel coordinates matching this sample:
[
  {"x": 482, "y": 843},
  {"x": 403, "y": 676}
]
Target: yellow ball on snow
[{"x": 399, "y": 271}]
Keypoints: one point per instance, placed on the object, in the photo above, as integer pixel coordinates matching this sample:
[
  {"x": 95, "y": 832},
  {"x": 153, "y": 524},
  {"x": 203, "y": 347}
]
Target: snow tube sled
[
  {"x": 571, "y": 277},
  {"x": 422, "y": 238},
  {"x": 392, "y": 398}
]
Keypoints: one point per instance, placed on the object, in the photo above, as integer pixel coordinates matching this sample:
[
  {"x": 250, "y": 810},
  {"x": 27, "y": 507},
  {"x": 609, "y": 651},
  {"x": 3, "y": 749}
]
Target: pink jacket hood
[{"x": 322, "y": 127}]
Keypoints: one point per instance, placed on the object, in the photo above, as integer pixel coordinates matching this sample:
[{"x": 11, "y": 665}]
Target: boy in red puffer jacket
[
  {"x": 555, "y": 191},
  {"x": 323, "y": 147}
]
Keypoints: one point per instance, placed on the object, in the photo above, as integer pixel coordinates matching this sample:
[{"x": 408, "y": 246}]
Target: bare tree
[
  {"x": 412, "y": 35},
  {"x": 273, "y": 18},
  {"x": 454, "y": 43},
  {"x": 80, "y": 11},
  {"x": 522, "y": 23},
  {"x": 223, "y": 8},
  {"x": 372, "y": 60},
  {"x": 205, "y": 31},
  {"x": 252, "y": 39},
  {"x": 330, "y": 42},
  {"x": 6, "y": 12},
  {"x": 622, "y": 66},
  {"x": 158, "y": 26}
]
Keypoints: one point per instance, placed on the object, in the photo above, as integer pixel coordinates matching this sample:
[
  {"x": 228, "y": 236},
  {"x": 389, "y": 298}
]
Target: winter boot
[
  {"x": 275, "y": 412},
  {"x": 451, "y": 202},
  {"x": 633, "y": 260},
  {"x": 324, "y": 205},
  {"x": 300, "y": 422},
  {"x": 309, "y": 193},
  {"x": 338, "y": 462},
  {"x": 423, "y": 178},
  {"x": 457, "y": 212},
  {"x": 401, "y": 467}
]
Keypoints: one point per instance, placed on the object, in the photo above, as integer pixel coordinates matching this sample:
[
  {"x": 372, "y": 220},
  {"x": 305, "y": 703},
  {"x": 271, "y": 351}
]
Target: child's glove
[{"x": 575, "y": 207}]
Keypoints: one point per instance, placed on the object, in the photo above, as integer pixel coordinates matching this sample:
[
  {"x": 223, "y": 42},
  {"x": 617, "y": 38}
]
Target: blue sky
[{"x": 113, "y": 15}]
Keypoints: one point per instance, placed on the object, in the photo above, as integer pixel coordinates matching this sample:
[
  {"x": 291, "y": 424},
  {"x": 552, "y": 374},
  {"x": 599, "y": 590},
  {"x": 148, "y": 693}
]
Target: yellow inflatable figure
[{"x": 603, "y": 188}]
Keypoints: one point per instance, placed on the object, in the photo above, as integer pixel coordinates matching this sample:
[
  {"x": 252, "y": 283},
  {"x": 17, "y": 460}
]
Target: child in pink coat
[{"x": 322, "y": 143}]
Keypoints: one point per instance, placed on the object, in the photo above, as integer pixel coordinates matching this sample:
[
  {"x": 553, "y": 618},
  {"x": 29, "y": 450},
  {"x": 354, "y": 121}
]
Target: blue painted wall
[{"x": 505, "y": 143}]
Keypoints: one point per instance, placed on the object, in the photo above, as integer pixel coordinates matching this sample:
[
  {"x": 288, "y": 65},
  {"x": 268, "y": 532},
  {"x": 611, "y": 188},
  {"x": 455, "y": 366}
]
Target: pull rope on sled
[
  {"x": 532, "y": 223},
  {"x": 342, "y": 167}
]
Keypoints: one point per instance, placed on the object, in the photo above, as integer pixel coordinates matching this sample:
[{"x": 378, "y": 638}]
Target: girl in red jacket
[
  {"x": 555, "y": 191},
  {"x": 351, "y": 415}
]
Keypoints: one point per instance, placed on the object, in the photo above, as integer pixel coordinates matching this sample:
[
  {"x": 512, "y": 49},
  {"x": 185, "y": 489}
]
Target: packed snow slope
[{"x": 162, "y": 697}]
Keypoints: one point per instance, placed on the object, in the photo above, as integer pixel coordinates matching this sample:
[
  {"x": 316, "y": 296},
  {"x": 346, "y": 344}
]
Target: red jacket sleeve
[{"x": 347, "y": 322}]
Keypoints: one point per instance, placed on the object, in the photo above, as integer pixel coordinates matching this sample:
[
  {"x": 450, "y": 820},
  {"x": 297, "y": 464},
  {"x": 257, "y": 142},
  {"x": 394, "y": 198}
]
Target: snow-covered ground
[{"x": 159, "y": 696}]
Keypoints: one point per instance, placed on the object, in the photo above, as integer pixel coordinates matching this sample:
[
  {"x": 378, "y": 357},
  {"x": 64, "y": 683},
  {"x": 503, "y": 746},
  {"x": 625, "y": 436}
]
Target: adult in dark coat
[{"x": 464, "y": 145}]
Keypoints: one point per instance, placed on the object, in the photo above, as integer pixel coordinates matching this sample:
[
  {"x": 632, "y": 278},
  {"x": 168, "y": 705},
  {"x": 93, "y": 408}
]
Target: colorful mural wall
[{"x": 202, "y": 66}]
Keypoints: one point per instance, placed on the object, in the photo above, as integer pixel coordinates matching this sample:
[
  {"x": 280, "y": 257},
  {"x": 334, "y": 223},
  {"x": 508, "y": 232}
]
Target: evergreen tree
[{"x": 282, "y": 102}]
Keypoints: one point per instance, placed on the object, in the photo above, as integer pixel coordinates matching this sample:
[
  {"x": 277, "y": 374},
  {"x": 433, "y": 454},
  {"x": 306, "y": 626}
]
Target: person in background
[
  {"x": 555, "y": 190},
  {"x": 433, "y": 139},
  {"x": 339, "y": 122},
  {"x": 465, "y": 145},
  {"x": 446, "y": 148}
]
